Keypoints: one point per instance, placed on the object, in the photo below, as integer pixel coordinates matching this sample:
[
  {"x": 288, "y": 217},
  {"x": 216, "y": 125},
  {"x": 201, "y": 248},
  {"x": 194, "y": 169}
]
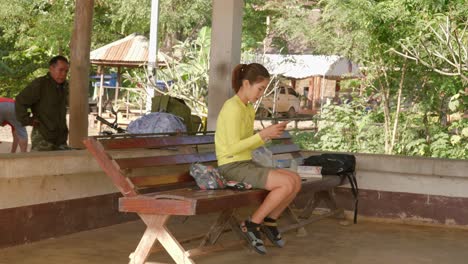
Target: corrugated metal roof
[
  {"x": 305, "y": 66},
  {"x": 129, "y": 51}
]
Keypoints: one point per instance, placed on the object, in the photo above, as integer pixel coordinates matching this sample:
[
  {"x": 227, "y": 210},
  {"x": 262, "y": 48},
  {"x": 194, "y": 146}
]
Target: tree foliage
[
  {"x": 33, "y": 31},
  {"x": 415, "y": 99},
  {"x": 189, "y": 74}
]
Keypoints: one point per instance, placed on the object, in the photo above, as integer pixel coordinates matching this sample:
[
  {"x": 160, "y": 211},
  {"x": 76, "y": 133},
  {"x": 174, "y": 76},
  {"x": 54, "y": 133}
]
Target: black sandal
[
  {"x": 270, "y": 229},
  {"x": 251, "y": 232}
]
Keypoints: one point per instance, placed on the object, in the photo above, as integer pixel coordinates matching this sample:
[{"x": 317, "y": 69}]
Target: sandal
[
  {"x": 251, "y": 232},
  {"x": 270, "y": 229},
  {"x": 241, "y": 186}
]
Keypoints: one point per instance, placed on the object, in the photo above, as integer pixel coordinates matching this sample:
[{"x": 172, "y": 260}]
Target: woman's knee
[
  {"x": 293, "y": 182},
  {"x": 279, "y": 179},
  {"x": 297, "y": 182}
]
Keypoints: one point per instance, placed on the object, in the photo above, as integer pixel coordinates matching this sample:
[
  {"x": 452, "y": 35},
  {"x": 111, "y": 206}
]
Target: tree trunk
[
  {"x": 385, "y": 93},
  {"x": 397, "y": 111}
]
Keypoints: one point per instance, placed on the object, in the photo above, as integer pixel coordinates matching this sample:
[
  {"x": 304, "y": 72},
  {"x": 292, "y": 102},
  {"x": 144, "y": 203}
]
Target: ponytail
[{"x": 236, "y": 77}]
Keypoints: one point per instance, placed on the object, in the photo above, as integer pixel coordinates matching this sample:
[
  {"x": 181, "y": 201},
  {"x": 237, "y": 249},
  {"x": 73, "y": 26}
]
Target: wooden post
[
  {"x": 128, "y": 103},
  {"x": 117, "y": 85},
  {"x": 79, "y": 80}
]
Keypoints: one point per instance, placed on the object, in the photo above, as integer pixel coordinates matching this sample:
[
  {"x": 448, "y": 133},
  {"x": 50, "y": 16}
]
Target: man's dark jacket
[{"x": 48, "y": 102}]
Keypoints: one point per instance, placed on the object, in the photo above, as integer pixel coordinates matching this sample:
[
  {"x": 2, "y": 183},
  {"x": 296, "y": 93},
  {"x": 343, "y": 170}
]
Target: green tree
[
  {"x": 178, "y": 19},
  {"x": 186, "y": 76},
  {"x": 367, "y": 31},
  {"x": 442, "y": 42},
  {"x": 31, "y": 31}
]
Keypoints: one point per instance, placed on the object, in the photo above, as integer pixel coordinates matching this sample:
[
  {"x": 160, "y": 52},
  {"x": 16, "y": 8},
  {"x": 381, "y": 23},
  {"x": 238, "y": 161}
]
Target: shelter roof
[
  {"x": 305, "y": 66},
  {"x": 131, "y": 51}
]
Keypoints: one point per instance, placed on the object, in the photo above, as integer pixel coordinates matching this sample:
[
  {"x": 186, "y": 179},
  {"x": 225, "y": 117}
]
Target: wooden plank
[
  {"x": 301, "y": 231},
  {"x": 109, "y": 166},
  {"x": 142, "y": 162},
  {"x": 303, "y": 223},
  {"x": 172, "y": 246},
  {"x": 217, "y": 228},
  {"x": 310, "y": 206},
  {"x": 154, "y": 225},
  {"x": 197, "y": 194},
  {"x": 148, "y": 205},
  {"x": 185, "y": 240},
  {"x": 326, "y": 183},
  {"x": 167, "y": 134},
  {"x": 190, "y": 202},
  {"x": 155, "y": 180},
  {"x": 281, "y": 149},
  {"x": 238, "y": 200},
  {"x": 156, "y": 142}
]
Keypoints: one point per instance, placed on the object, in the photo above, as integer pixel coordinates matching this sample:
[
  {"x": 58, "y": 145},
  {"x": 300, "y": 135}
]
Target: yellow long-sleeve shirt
[{"x": 234, "y": 138}]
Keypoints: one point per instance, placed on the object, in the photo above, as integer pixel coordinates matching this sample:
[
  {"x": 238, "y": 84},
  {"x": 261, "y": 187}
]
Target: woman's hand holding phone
[{"x": 273, "y": 131}]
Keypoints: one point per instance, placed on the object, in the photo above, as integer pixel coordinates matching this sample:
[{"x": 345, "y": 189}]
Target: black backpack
[{"x": 341, "y": 165}]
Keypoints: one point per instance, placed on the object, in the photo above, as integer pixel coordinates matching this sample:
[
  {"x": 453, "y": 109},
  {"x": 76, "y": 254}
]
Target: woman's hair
[{"x": 253, "y": 72}]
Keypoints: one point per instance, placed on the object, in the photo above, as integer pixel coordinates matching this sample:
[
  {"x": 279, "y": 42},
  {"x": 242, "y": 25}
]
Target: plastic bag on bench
[
  {"x": 341, "y": 165},
  {"x": 157, "y": 122},
  {"x": 207, "y": 177},
  {"x": 263, "y": 156}
]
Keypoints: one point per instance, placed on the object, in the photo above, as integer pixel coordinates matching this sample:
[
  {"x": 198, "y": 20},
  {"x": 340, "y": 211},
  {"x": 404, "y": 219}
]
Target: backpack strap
[{"x": 163, "y": 103}]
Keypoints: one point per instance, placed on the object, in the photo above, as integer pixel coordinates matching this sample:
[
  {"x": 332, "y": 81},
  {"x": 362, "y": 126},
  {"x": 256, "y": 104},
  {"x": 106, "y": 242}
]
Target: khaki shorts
[{"x": 246, "y": 171}]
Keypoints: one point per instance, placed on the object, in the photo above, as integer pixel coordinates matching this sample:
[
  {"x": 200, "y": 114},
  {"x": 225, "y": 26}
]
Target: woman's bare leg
[
  {"x": 280, "y": 208},
  {"x": 283, "y": 186}
]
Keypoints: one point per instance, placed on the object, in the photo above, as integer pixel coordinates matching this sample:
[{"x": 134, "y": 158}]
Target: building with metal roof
[
  {"x": 131, "y": 51},
  {"x": 306, "y": 66}
]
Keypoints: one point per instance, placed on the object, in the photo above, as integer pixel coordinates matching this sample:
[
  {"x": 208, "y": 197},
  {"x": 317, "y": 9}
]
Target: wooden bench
[{"x": 152, "y": 174}]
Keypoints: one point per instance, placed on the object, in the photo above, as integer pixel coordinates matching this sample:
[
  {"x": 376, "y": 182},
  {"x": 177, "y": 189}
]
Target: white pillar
[
  {"x": 152, "y": 53},
  {"x": 225, "y": 54}
]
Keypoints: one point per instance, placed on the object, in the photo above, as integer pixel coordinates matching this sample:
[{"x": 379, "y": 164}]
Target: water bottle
[{"x": 293, "y": 166}]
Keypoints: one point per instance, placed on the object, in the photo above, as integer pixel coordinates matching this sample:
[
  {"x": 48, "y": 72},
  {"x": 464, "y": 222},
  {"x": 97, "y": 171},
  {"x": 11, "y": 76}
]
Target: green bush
[{"x": 352, "y": 128}]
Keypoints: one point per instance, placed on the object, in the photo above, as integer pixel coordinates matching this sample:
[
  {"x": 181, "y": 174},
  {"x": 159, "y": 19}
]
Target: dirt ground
[{"x": 327, "y": 242}]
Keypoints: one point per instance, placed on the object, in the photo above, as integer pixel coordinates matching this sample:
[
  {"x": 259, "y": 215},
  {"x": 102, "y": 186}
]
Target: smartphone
[{"x": 284, "y": 123}]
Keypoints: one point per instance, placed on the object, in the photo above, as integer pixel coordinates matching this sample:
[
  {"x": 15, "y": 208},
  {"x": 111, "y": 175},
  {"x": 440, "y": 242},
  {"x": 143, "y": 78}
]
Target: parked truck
[{"x": 287, "y": 102}]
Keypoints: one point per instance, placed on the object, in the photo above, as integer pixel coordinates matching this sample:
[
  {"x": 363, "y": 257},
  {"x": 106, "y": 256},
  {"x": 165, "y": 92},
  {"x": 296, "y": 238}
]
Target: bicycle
[{"x": 114, "y": 125}]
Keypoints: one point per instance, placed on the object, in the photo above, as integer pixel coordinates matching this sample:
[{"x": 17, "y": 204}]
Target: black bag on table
[{"x": 341, "y": 165}]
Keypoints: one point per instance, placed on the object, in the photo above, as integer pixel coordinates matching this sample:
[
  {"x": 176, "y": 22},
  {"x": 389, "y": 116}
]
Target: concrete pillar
[
  {"x": 152, "y": 54},
  {"x": 79, "y": 72},
  {"x": 225, "y": 54}
]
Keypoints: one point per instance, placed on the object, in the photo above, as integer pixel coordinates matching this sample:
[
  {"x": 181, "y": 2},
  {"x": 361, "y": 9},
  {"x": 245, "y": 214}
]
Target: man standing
[
  {"x": 47, "y": 97},
  {"x": 8, "y": 117}
]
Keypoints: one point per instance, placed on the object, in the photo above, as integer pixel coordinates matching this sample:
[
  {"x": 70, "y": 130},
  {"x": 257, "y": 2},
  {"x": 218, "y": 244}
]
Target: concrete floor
[{"x": 327, "y": 242}]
